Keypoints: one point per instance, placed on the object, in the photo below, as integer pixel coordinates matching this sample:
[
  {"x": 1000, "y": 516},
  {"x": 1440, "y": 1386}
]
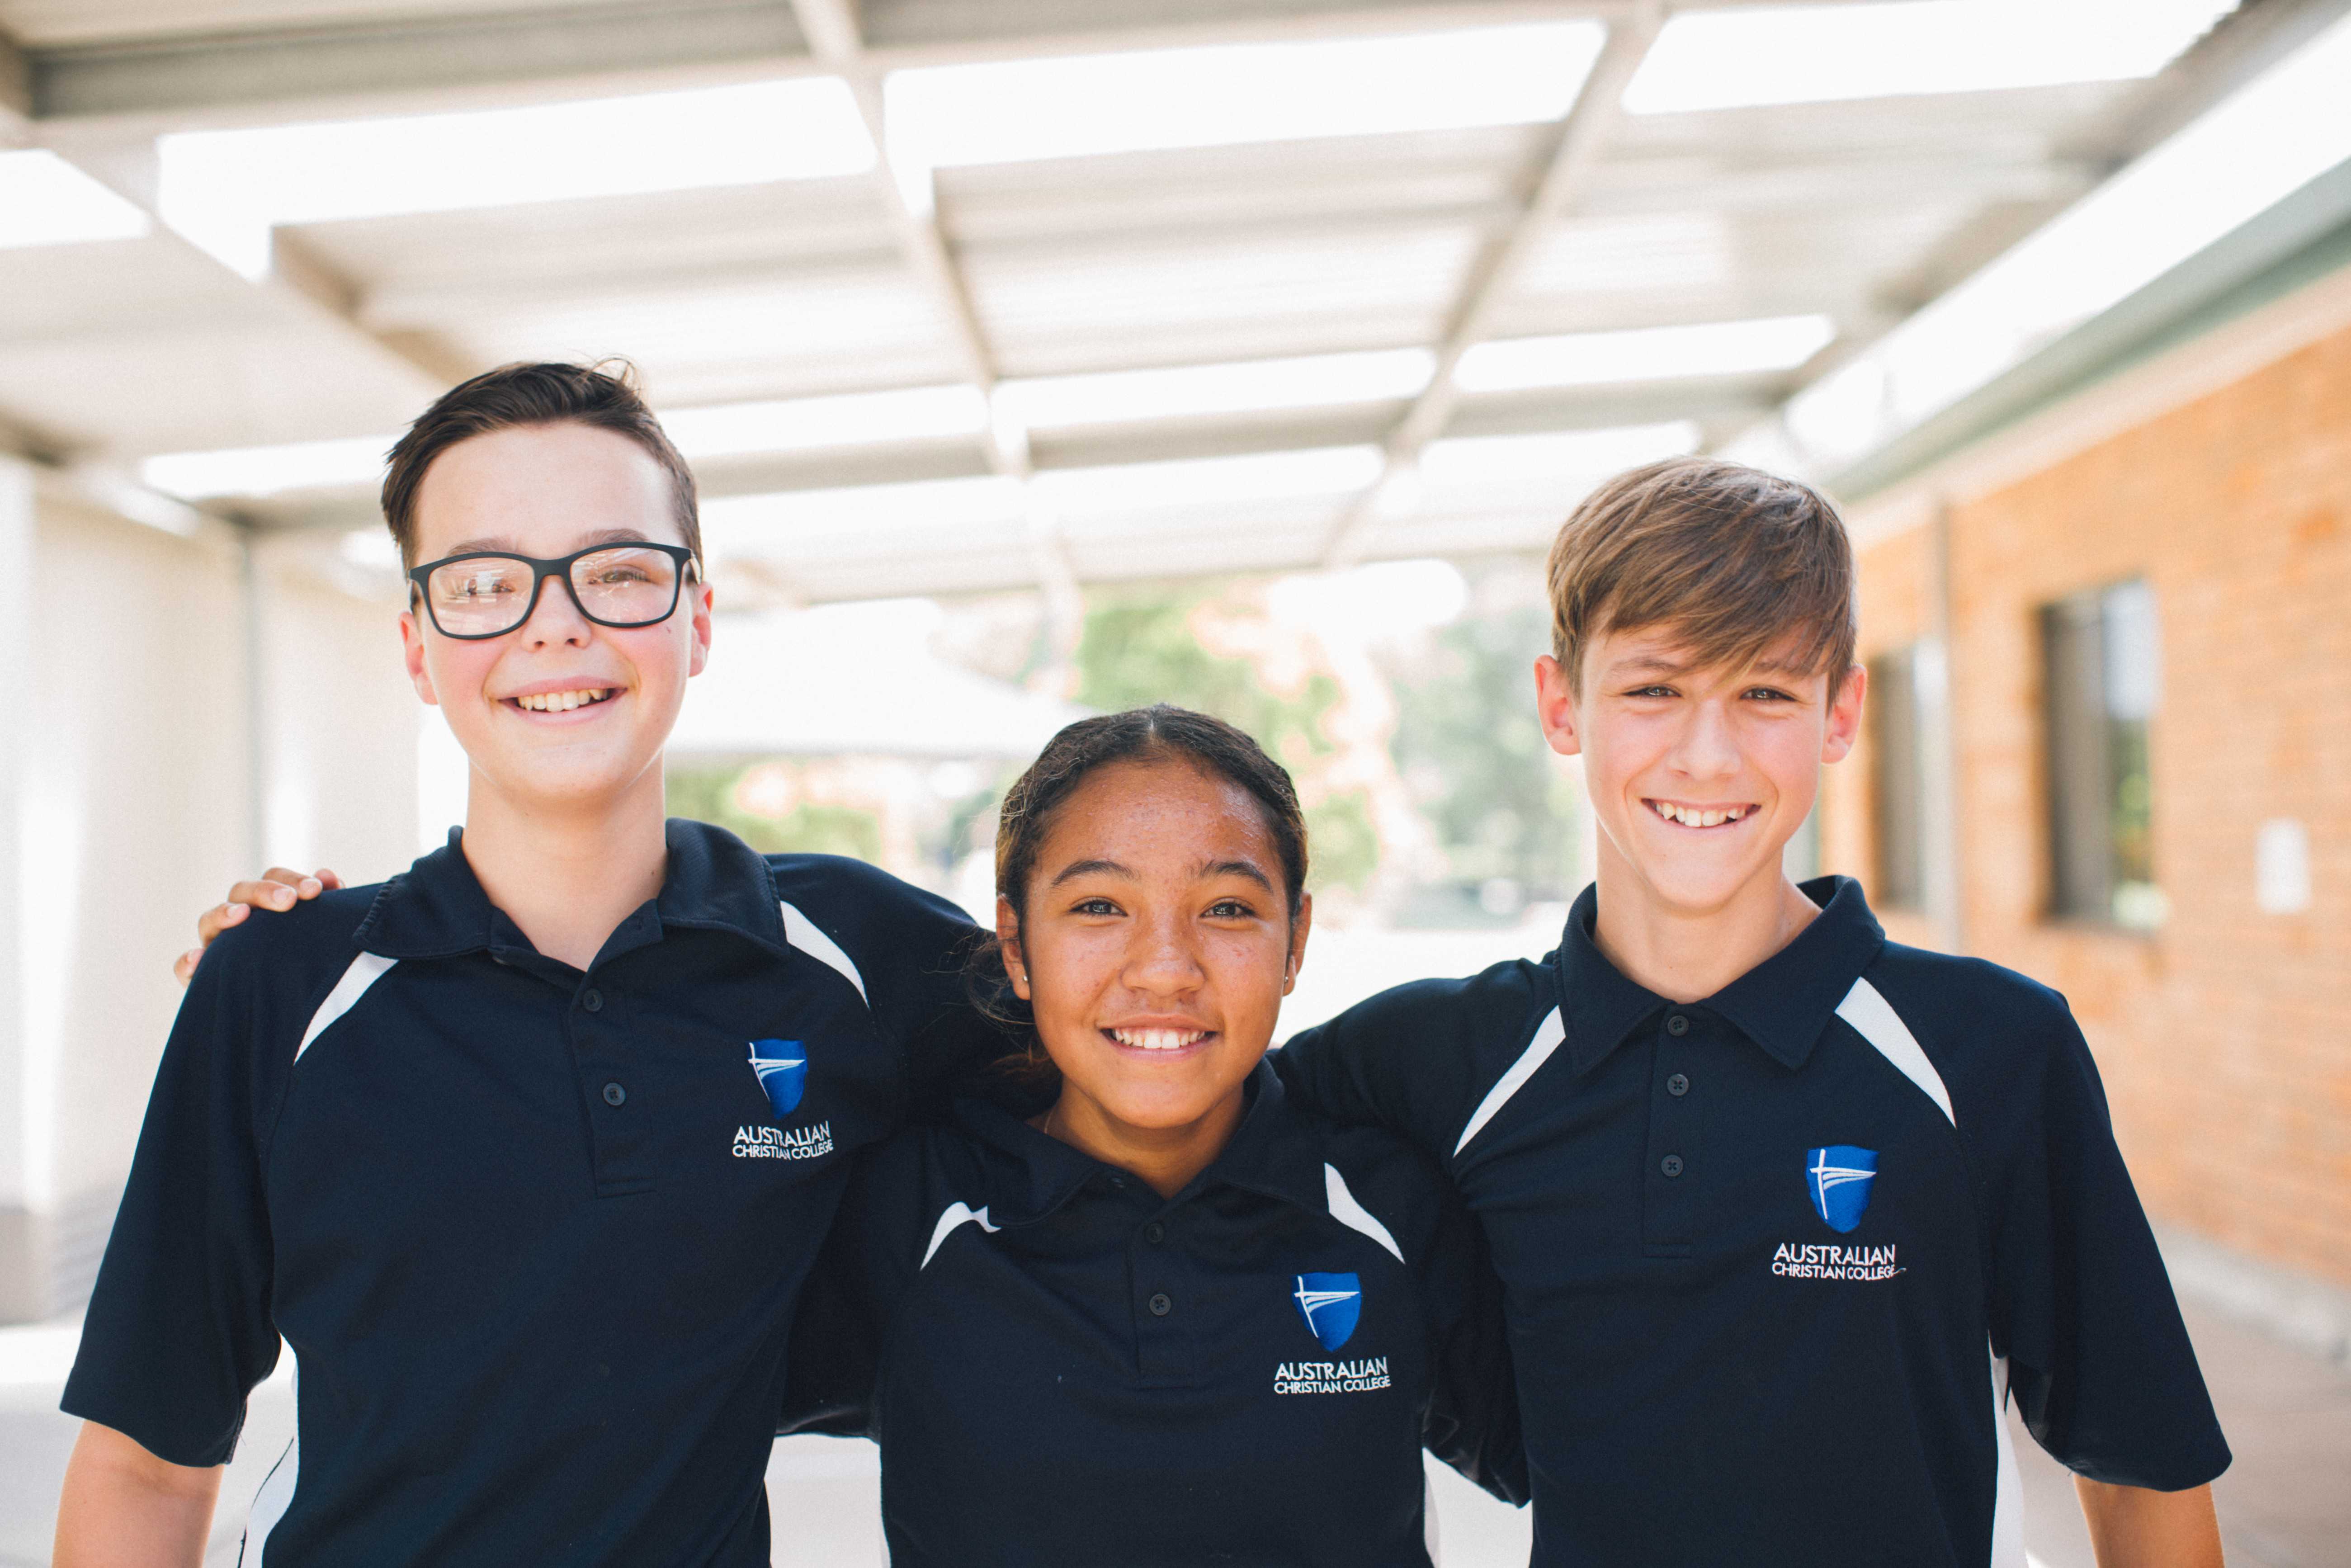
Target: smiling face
[
  {"x": 1698, "y": 775},
  {"x": 560, "y": 712},
  {"x": 1155, "y": 948}
]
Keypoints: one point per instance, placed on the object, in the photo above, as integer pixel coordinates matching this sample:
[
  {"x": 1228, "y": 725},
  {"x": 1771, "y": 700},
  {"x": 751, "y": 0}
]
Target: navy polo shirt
[
  {"x": 1063, "y": 1367},
  {"x": 1773, "y": 1261},
  {"x": 534, "y": 1235}
]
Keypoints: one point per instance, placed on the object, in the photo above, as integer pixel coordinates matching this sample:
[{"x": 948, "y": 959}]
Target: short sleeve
[
  {"x": 179, "y": 1329},
  {"x": 2099, "y": 1361}
]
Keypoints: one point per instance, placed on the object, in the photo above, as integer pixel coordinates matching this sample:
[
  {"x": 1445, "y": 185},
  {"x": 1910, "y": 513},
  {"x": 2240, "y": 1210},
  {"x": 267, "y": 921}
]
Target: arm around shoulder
[
  {"x": 1414, "y": 1058},
  {"x": 907, "y": 949}
]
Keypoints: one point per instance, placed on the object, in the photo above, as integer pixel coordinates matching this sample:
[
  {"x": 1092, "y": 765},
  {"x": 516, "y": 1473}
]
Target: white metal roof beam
[
  {"x": 413, "y": 62},
  {"x": 385, "y": 65},
  {"x": 298, "y": 282},
  {"x": 833, "y": 32},
  {"x": 1496, "y": 272}
]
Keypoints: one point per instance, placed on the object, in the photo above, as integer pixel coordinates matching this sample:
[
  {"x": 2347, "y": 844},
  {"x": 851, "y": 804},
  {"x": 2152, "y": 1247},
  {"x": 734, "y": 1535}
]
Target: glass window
[{"x": 2102, "y": 681}]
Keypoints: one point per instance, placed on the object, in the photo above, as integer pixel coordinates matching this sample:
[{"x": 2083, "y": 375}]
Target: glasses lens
[
  {"x": 626, "y": 586},
  {"x": 478, "y": 597}
]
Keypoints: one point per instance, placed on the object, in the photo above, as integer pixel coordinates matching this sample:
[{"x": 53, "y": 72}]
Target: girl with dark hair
[{"x": 1132, "y": 1306}]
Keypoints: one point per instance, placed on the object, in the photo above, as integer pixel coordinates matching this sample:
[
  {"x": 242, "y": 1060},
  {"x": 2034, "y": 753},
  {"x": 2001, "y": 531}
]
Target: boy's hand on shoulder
[{"x": 277, "y": 889}]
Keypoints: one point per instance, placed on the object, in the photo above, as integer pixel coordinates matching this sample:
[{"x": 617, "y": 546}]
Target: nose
[
  {"x": 1161, "y": 960},
  {"x": 1707, "y": 748},
  {"x": 554, "y": 621}
]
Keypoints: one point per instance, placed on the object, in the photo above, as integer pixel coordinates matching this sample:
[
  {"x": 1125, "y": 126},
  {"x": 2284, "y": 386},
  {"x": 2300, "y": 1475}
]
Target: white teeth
[
  {"x": 563, "y": 702},
  {"x": 1692, "y": 817},
  {"x": 1157, "y": 1039}
]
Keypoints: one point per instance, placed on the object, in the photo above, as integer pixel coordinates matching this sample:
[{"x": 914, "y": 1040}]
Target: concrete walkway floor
[{"x": 2285, "y": 1503}]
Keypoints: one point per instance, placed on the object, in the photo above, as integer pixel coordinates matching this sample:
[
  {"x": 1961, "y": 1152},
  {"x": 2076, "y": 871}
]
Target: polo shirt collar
[
  {"x": 1782, "y": 1004},
  {"x": 1032, "y": 1173},
  {"x": 715, "y": 882}
]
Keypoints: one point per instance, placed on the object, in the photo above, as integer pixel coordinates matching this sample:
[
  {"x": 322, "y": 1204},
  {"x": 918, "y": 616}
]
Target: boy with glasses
[{"x": 525, "y": 1153}]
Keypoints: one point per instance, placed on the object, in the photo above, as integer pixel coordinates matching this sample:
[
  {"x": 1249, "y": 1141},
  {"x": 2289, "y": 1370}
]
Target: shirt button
[
  {"x": 592, "y": 1000},
  {"x": 1155, "y": 1233},
  {"x": 1677, "y": 1085},
  {"x": 614, "y": 1095},
  {"x": 1160, "y": 1306},
  {"x": 1671, "y": 1164},
  {"x": 1677, "y": 1025}
]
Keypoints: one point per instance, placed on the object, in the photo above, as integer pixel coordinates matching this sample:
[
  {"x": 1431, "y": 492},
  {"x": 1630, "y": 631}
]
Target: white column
[{"x": 27, "y": 1091}]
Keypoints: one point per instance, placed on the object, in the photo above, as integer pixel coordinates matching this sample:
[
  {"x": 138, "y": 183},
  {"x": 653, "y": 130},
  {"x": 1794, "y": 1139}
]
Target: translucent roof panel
[{"x": 1215, "y": 285}]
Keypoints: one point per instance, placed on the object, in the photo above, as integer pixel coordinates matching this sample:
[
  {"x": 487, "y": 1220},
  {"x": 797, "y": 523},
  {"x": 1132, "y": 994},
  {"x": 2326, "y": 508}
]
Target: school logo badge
[
  {"x": 1839, "y": 1178},
  {"x": 1330, "y": 1303},
  {"x": 782, "y": 1067}
]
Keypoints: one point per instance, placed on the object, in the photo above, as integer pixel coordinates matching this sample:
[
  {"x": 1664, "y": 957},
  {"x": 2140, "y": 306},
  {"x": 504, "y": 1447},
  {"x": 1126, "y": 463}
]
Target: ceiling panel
[{"x": 1099, "y": 306}]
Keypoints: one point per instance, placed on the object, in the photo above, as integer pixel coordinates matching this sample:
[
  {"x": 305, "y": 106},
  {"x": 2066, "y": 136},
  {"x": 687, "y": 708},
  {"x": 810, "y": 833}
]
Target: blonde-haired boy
[{"x": 1786, "y": 1213}]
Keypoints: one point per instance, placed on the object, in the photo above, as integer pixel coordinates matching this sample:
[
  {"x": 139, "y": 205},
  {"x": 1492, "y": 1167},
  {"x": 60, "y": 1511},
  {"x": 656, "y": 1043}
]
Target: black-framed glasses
[{"x": 488, "y": 593}]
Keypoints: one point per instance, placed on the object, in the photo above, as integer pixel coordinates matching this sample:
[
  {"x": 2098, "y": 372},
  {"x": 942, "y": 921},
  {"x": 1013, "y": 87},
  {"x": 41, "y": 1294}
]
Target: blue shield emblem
[
  {"x": 1839, "y": 1177},
  {"x": 782, "y": 1067},
  {"x": 1330, "y": 1303}
]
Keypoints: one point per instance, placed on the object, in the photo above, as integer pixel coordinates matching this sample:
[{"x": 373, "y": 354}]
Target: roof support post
[{"x": 27, "y": 1068}]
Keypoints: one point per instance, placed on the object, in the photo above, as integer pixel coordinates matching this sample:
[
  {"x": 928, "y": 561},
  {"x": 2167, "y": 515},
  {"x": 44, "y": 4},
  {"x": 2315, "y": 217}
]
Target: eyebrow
[
  {"x": 504, "y": 544},
  {"x": 1655, "y": 664},
  {"x": 1243, "y": 868},
  {"x": 1076, "y": 869},
  {"x": 1651, "y": 664}
]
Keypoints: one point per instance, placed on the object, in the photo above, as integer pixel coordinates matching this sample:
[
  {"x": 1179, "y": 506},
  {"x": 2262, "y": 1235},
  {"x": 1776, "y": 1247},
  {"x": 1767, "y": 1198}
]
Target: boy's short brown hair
[
  {"x": 602, "y": 395},
  {"x": 1737, "y": 563}
]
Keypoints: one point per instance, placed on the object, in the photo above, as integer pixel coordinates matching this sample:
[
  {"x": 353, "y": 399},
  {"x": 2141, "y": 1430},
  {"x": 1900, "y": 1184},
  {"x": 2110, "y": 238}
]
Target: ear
[
  {"x": 1008, "y": 935},
  {"x": 1298, "y": 929},
  {"x": 1845, "y": 714},
  {"x": 700, "y": 600},
  {"x": 1555, "y": 708},
  {"x": 412, "y": 649}
]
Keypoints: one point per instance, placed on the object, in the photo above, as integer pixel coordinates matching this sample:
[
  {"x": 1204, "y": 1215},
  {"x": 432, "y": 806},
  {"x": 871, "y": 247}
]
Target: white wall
[
  {"x": 126, "y": 807},
  {"x": 340, "y": 718}
]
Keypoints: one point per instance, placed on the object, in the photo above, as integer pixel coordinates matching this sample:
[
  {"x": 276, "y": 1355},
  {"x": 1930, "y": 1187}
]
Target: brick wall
[{"x": 2225, "y": 1038}]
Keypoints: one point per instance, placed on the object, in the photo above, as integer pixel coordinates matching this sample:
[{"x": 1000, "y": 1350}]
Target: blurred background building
[{"x": 1044, "y": 356}]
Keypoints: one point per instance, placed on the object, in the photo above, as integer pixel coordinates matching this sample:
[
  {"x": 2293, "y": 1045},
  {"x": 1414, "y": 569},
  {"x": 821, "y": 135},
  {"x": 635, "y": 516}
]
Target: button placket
[
  {"x": 620, "y": 1133},
  {"x": 1165, "y": 1353},
  {"x": 1673, "y": 1174}
]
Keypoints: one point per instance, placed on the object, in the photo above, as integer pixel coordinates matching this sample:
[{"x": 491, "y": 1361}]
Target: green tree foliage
[
  {"x": 708, "y": 795},
  {"x": 1469, "y": 746},
  {"x": 1139, "y": 648}
]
